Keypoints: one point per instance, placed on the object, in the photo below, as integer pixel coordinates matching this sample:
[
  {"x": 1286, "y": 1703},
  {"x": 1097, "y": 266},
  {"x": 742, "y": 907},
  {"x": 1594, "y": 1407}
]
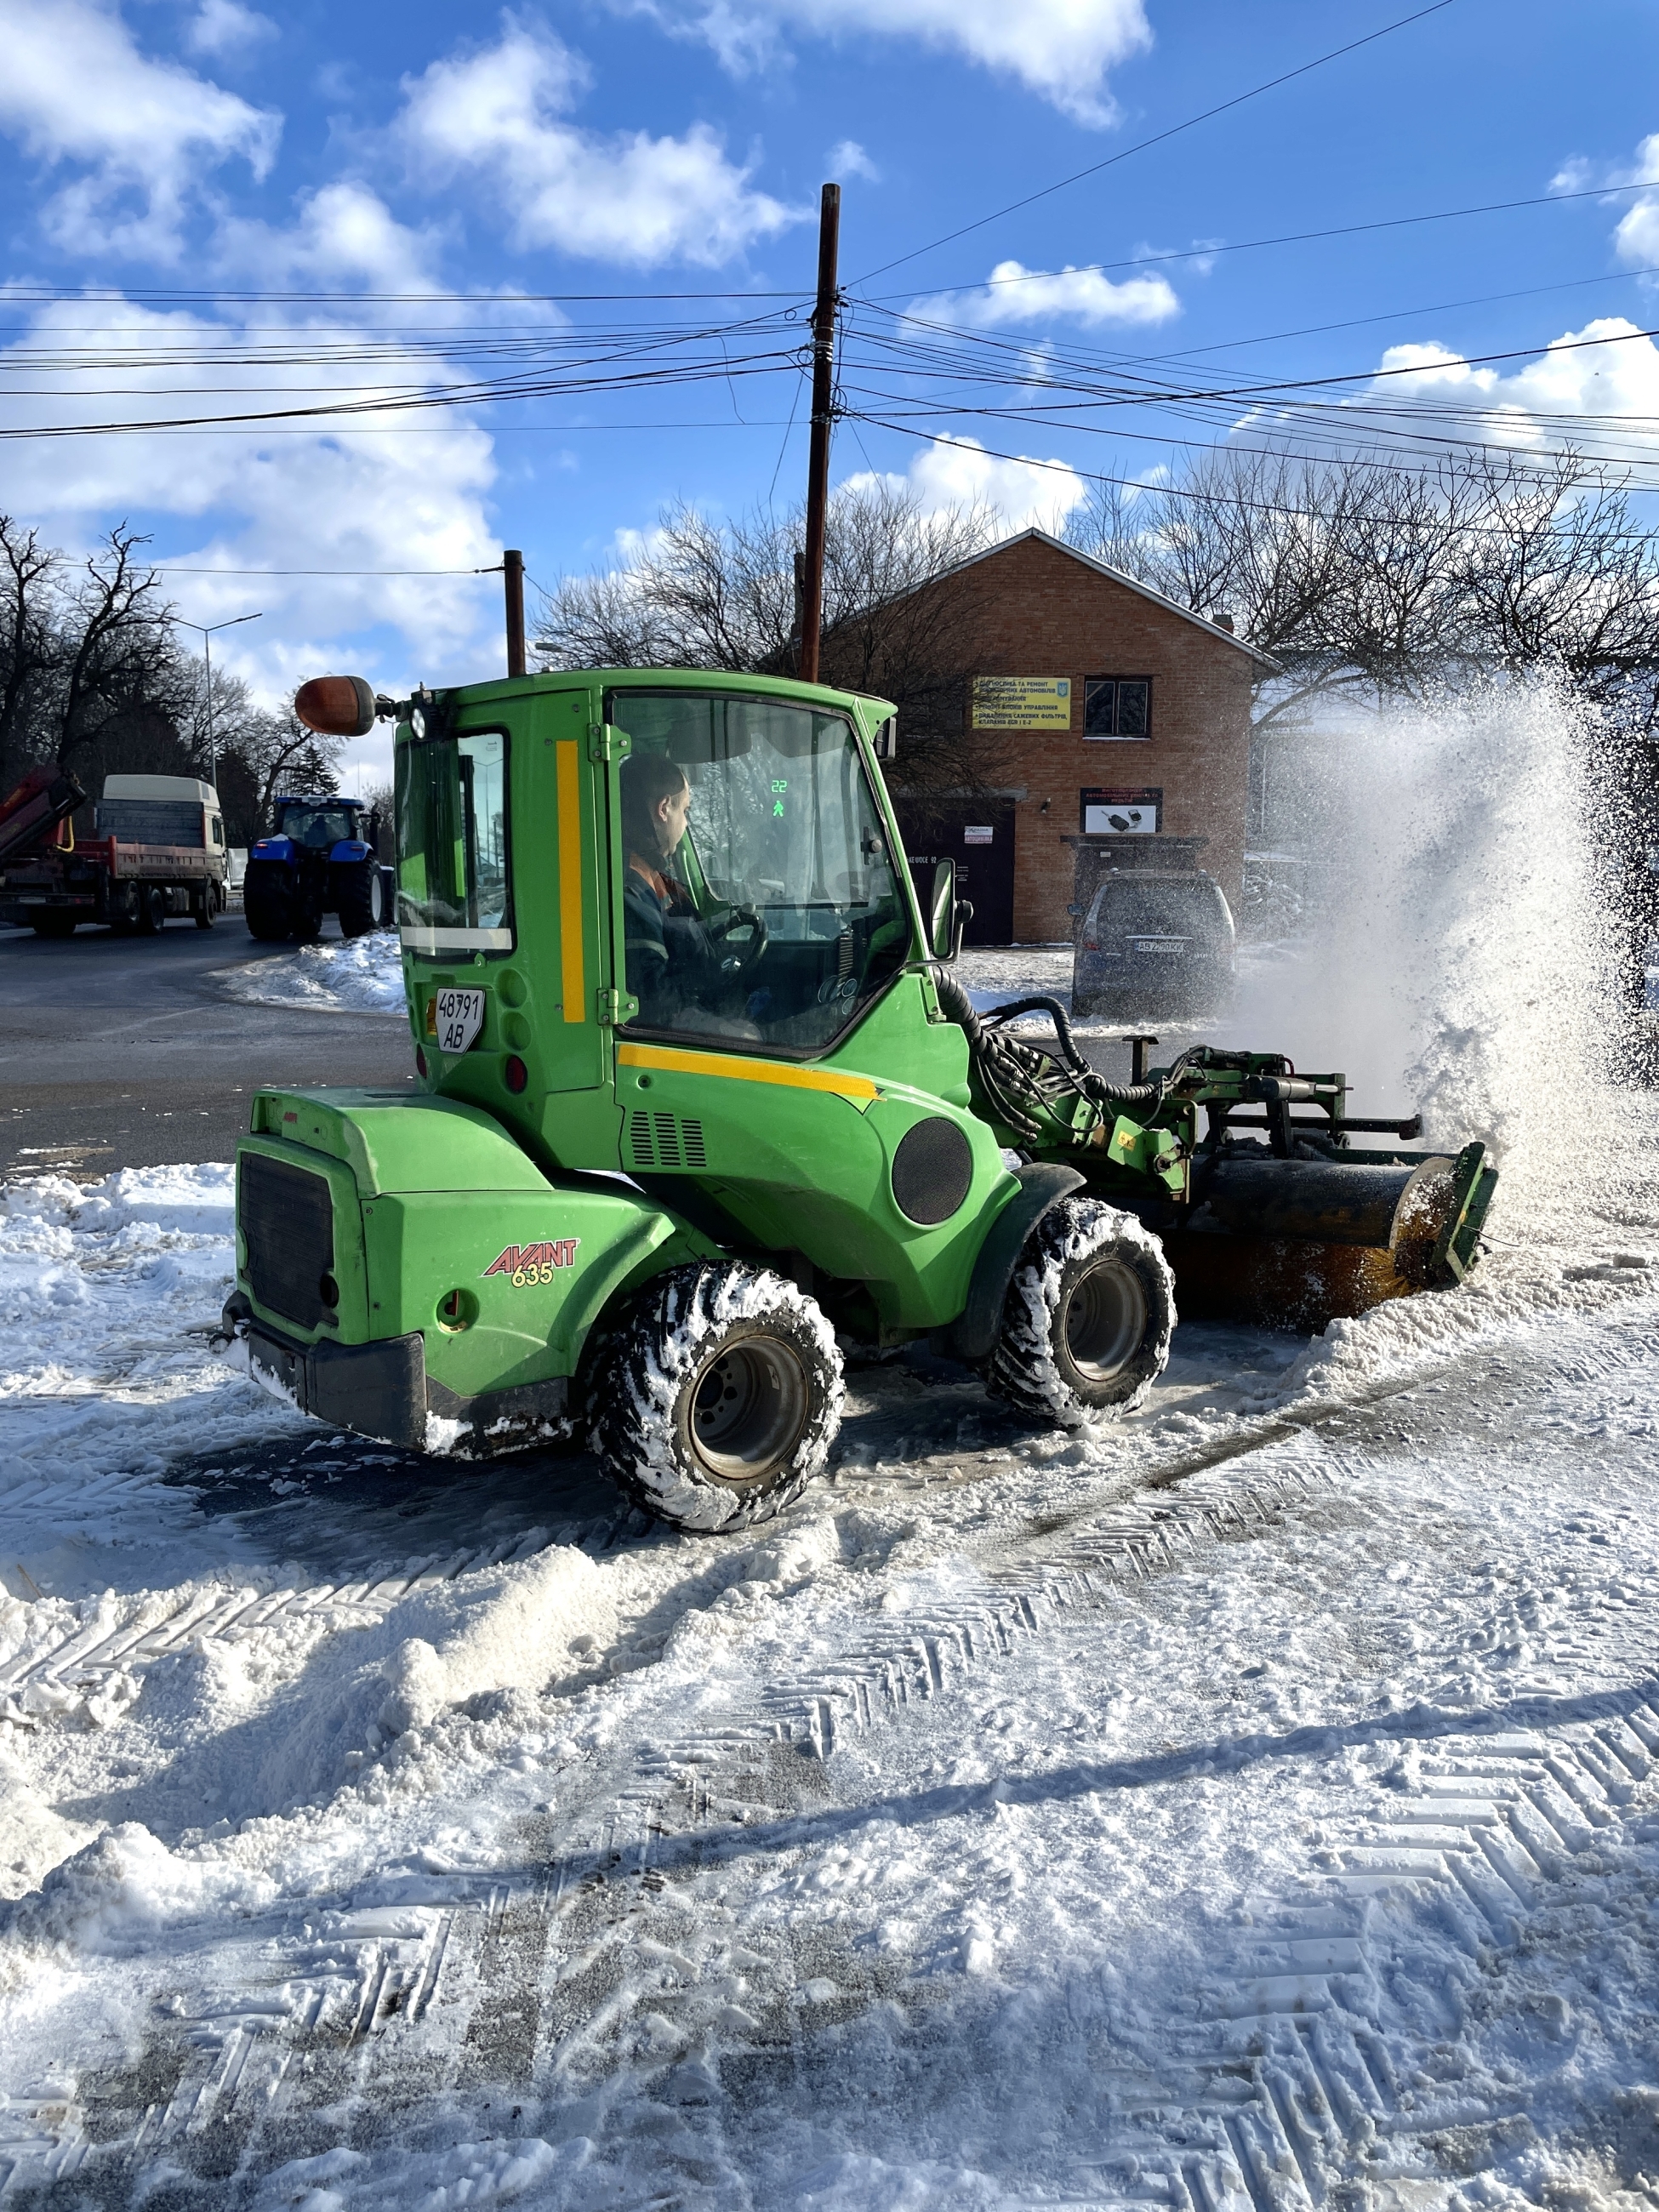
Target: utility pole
[
  {"x": 512, "y": 573},
  {"x": 207, "y": 631},
  {"x": 817, "y": 464}
]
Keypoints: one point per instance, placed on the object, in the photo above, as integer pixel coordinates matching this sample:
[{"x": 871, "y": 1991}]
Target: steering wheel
[{"x": 741, "y": 917}]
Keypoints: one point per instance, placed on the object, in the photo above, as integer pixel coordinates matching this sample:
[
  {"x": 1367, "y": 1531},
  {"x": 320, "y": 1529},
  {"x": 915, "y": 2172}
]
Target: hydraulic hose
[{"x": 1014, "y": 1078}]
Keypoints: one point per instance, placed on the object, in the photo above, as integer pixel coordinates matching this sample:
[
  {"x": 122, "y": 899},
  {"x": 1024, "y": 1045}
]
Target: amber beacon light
[{"x": 337, "y": 706}]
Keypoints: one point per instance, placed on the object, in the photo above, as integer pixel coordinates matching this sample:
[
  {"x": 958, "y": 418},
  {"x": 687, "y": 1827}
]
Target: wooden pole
[
  {"x": 513, "y": 576},
  {"x": 818, "y": 464}
]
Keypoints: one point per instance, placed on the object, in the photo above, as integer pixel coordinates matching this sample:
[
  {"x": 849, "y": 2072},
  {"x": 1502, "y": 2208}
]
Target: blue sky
[{"x": 206, "y": 204}]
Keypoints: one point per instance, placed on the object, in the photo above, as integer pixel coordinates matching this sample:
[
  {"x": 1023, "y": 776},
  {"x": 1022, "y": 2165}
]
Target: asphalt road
[{"x": 127, "y": 1052}]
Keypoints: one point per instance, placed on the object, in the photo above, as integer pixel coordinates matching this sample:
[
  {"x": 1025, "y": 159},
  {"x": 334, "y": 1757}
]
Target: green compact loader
[{"x": 701, "y": 1100}]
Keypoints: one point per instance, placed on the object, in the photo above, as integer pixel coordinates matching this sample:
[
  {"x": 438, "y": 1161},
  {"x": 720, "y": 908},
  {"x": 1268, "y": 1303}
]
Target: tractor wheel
[
  {"x": 1086, "y": 1324},
  {"x": 267, "y": 907},
  {"x": 306, "y": 926},
  {"x": 360, "y": 900},
  {"x": 53, "y": 924},
  {"x": 717, "y": 1396}
]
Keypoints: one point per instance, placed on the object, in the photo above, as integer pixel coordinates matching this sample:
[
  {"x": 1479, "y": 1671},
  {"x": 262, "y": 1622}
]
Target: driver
[{"x": 671, "y": 966}]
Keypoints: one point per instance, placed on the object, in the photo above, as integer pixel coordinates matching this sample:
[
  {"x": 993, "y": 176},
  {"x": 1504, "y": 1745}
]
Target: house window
[{"x": 1117, "y": 706}]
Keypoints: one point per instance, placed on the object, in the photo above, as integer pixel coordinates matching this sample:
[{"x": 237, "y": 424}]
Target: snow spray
[{"x": 1455, "y": 958}]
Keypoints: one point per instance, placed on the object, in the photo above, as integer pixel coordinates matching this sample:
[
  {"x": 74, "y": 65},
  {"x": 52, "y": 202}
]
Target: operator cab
[{"x": 761, "y": 901}]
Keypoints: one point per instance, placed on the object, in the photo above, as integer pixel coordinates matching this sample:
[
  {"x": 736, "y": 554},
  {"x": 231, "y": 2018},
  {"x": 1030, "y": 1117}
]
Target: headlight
[{"x": 417, "y": 721}]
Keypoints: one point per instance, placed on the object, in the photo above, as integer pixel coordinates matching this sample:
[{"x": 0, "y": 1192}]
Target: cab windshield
[
  {"x": 312, "y": 826},
  {"x": 761, "y": 902}
]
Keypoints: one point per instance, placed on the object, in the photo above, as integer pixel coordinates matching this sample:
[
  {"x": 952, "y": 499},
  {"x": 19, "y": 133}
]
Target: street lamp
[{"x": 207, "y": 631}]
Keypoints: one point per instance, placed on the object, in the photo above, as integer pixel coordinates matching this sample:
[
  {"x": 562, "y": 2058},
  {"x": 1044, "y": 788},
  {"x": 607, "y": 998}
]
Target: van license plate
[{"x": 460, "y": 1017}]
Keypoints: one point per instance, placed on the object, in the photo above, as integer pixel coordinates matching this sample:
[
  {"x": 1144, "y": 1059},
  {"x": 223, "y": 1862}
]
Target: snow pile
[
  {"x": 119, "y": 1891},
  {"x": 102, "y": 1383},
  {"x": 358, "y": 976}
]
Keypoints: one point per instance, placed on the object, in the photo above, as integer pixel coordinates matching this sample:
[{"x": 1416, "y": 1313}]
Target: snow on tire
[
  {"x": 717, "y": 1396},
  {"x": 1087, "y": 1321}
]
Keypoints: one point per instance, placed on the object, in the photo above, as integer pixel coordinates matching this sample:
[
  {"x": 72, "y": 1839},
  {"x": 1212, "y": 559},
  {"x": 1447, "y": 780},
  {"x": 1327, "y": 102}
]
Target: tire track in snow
[
  {"x": 92, "y": 1659},
  {"x": 1300, "y": 2085},
  {"x": 529, "y": 1966}
]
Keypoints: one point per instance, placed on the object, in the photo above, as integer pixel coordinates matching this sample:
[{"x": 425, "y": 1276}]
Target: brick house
[{"x": 1106, "y": 708}]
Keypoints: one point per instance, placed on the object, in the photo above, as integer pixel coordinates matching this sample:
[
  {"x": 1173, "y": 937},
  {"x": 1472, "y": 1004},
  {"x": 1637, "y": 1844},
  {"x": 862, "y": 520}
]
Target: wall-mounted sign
[
  {"x": 978, "y": 833},
  {"x": 1120, "y": 813},
  {"x": 1022, "y": 703}
]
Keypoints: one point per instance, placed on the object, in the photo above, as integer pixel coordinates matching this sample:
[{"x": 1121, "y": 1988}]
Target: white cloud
[
  {"x": 1609, "y": 369},
  {"x": 1059, "y": 49},
  {"x": 275, "y": 498},
  {"x": 1014, "y": 293},
  {"x": 848, "y": 159},
  {"x": 343, "y": 236},
  {"x": 1637, "y": 237},
  {"x": 225, "y": 27},
  {"x": 497, "y": 114},
  {"x": 1026, "y": 493},
  {"x": 76, "y": 90}
]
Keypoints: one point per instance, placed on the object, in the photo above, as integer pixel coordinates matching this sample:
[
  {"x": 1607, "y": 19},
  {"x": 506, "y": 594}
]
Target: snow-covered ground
[
  {"x": 1253, "y": 1807},
  {"x": 1254, "y": 1802},
  {"x": 354, "y": 975}
]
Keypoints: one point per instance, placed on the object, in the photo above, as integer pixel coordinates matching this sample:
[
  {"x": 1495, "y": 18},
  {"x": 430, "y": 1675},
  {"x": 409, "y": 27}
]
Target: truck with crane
[{"x": 157, "y": 850}]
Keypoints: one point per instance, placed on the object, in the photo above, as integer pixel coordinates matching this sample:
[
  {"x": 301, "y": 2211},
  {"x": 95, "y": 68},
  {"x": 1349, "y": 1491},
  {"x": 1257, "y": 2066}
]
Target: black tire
[
  {"x": 306, "y": 923},
  {"x": 267, "y": 907},
  {"x": 1088, "y": 1317},
  {"x": 717, "y": 1395},
  {"x": 153, "y": 907},
  {"x": 360, "y": 899},
  {"x": 53, "y": 925},
  {"x": 204, "y": 908}
]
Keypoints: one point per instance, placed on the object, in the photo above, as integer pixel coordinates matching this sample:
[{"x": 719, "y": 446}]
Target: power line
[
  {"x": 1290, "y": 238},
  {"x": 1158, "y": 138}
]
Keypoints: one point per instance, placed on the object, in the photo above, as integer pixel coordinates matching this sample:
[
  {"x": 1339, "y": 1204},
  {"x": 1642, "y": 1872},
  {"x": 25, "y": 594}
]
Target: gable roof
[{"x": 1116, "y": 576}]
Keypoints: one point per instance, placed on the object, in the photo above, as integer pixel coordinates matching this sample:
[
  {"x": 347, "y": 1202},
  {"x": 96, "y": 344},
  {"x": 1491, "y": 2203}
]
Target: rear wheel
[
  {"x": 360, "y": 899},
  {"x": 204, "y": 907},
  {"x": 1087, "y": 1323},
  {"x": 718, "y": 1395},
  {"x": 267, "y": 906},
  {"x": 152, "y": 908}
]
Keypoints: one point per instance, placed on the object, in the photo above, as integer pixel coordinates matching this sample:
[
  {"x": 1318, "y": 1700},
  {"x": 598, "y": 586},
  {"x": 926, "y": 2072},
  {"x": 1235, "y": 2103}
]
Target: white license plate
[
  {"x": 1158, "y": 944},
  {"x": 459, "y": 1017}
]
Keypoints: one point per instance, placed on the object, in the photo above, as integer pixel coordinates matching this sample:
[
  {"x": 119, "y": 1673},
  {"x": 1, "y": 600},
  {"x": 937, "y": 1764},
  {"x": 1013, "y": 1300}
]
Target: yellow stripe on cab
[{"x": 859, "y": 1089}]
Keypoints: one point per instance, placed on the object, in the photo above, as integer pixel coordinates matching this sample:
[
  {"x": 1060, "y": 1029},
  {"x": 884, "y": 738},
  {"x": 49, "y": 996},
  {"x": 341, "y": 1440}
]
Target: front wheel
[
  {"x": 718, "y": 1396},
  {"x": 1088, "y": 1317}
]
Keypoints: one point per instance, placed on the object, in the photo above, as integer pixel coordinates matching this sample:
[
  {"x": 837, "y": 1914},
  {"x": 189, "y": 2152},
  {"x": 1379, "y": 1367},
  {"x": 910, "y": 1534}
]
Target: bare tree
[
  {"x": 701, "y": 594},
  {"x": 28, "y": 645},
  {"x": 118, "y": 647}
]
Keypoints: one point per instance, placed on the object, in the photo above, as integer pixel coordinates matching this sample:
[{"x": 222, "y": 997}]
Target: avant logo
[{"x": 534, "y": 1263}]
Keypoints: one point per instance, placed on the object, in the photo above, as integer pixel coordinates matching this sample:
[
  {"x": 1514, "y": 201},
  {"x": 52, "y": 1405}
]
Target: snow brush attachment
[
  {"x": 1293, "y": 1228},
  {"x": 1300, "y": 1243}
]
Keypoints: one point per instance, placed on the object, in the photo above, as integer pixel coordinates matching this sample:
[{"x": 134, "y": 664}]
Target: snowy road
[{"x": 1251, "y": 1808}]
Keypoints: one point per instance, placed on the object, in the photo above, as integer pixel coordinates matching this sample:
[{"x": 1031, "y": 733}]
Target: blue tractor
[{"x": 318, "y": 858}]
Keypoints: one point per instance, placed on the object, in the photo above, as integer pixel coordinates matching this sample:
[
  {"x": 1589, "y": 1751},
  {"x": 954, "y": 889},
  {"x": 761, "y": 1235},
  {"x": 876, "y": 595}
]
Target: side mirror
[
  {"x": 337, "y": 706},
  {"x": 941, "y": 911},
  {"x": 961, "y": 915}
]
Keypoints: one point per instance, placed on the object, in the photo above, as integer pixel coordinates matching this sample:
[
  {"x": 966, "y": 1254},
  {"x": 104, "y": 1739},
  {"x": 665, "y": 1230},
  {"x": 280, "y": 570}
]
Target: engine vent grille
[
  {"x": 285, "y": 1216},
  {"x": 664, "y": 1140}
]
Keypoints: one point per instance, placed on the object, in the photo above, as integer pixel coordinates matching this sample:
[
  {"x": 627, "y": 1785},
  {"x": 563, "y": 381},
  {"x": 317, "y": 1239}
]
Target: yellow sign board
[{"x": 1022, "y": 703}]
